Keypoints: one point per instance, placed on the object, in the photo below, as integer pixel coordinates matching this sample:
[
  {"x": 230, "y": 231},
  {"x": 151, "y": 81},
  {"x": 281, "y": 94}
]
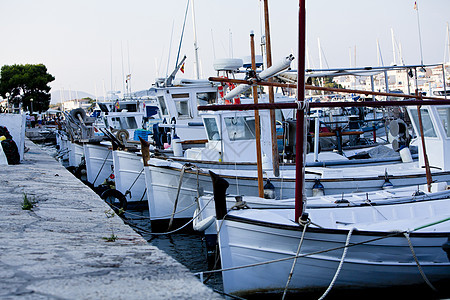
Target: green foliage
[
  {"x": 111, "y": 238},
  {"x": 26, "y": 82},
  {"x": 27, "y": 203},
  {"x": 324, "y": 82}
]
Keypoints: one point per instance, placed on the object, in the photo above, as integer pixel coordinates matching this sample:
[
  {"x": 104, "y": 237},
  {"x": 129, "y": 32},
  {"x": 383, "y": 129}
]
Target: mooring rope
[
  {"x": 104, "y": 161},
  {"x": 344, "y": 254},
  {"x": 305, "y": 225},
  {"x": 129, "y": 189}
]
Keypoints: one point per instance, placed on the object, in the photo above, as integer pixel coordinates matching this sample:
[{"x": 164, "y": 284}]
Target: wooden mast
[
  {"x": 257, "y": 124},
  {"x": 300, "y": 196},
  {"x": 275, "y": 156}
]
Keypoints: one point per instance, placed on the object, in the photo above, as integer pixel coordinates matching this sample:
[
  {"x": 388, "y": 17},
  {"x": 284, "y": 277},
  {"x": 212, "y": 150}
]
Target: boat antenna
[
  {"x": 123, "y": 72},
  {"x": 129, "y": 70},
  {"x": 214, "y": 48},
  {"x": 416, "y": 7},
  {"x": 170, "y": 48},
  {"x": 447, "y": 46},
  {"x": 182, "y": 33},
  {"x": 379, "y": 55},
  {"x": 197, "y": 65}
]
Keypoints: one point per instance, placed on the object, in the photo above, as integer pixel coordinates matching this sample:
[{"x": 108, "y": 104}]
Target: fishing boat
[
  {"x": 386, "y": 246},
  {"x": 172, "y": 182}
]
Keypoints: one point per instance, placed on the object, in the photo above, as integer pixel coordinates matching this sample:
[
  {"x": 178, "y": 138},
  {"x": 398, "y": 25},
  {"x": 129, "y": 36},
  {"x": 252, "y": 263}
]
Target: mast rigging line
[
  {"x": 182, "y": 32},
  {"x": 311, "y": 87}
]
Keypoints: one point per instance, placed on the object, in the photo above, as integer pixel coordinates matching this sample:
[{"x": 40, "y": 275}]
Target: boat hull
[
  {"x": 99, "y": 163},
  {"x": 382, "y": 262}
]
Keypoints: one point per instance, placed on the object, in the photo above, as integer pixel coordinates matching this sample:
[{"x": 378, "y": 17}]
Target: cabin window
[
  {"x": 162, "y": 105},
  {"x": 428, "y": 128},
  {"x": 182, "y": 108},
  {"x": 444, "y": 116},
  {"x": 180, "y": 96},
  {"x": 240, "y": 128},
  {"x": 211, "y": 129},
  {"x": 206, "y": 98},
  {"x": 115, "y": 123},
  {"x": 131, "y": 123}
]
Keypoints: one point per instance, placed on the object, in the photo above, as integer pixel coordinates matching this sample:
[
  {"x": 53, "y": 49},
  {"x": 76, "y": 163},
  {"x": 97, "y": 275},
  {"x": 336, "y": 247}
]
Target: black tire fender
[{"x": 120, "y": 201}]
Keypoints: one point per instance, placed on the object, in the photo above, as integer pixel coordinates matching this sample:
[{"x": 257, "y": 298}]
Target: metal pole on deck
[
  {"x": 424, "y": 149},
  {"x": 300, "y": 137},
  {"x": 257, "y": 127}
]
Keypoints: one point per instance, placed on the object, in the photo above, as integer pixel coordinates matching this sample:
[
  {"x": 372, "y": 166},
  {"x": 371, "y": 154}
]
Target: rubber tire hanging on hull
[{"x": 115, "y": 199}]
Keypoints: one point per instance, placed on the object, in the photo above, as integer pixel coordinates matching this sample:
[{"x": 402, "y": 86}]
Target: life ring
[{"x": 115, "y": 199}]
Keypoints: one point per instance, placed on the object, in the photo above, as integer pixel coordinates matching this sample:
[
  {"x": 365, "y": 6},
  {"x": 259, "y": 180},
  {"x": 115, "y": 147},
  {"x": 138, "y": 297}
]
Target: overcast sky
[{"x": 89, "y": 45}]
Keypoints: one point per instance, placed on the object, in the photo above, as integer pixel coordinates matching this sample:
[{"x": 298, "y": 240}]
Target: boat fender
[
  {"x": 203, "y": 224},
  {"x": 269, "y": 190},
  {"x": 446, "y": 248},
  {"x": 318, "y": 189},
  {"x": 110, "y": 195}
]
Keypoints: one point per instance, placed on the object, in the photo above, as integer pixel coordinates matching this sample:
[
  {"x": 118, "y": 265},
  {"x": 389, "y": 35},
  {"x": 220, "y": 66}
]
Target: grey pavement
[{"x": 58, "y": 249}]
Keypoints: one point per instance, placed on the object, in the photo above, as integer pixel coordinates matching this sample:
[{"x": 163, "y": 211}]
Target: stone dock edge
[{"x": 59, "y": 248}]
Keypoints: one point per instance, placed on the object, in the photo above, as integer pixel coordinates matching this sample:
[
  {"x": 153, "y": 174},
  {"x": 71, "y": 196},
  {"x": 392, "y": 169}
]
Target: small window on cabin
[
  {"x": 240, "y": 128},
  {"x": 206, "y": 98},
  {"x": 444, "y": 116},
  {"x": 162, "y": 105},
  {"x": 182, "y": 108},
  {"x": 131, "y": 123},
  {"x": 211, "y": 129},
  {"x": 115, "y": 123},
  {"x": 428, "y": 128}
]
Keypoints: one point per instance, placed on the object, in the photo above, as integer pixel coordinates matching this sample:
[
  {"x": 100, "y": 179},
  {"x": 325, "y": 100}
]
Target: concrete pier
[{"x": 60, "y": 250}]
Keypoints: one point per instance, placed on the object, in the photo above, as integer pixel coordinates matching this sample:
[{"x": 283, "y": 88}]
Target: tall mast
[
  {"x": 257, "y": 123},
  {"x": 393, "y": 47},
  {"x": 197, "y": 66},
  {"x": 300, "y": 133},
  {"x": 275, "y": 158}
]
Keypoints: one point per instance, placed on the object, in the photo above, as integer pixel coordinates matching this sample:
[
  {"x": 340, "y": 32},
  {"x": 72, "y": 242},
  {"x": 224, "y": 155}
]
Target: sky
[{"x": 91, "y": 45}]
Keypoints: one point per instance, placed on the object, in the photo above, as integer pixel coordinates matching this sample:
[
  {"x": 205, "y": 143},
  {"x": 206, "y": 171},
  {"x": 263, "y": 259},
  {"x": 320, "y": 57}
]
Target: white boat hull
[
  {"x": 99, "y": 163},
  {"x": 379, "y": 261},
  {"x": 164, "y": 176},
  {"x": 129, "y": 175},
  {"x": 76, "y": 152}
]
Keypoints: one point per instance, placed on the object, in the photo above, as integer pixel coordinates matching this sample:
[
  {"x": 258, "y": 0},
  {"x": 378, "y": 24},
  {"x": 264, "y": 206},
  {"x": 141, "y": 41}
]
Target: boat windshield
[
  {"x": 206, "y": 98},
  {"x": 444, "y": 116},
  {"x": 162, "y": 105},
  {"x": 240, "y": 128},
  {"x": 428, "y": 128},
  {"x": 122, "y": 123},
  {"x": 211, "y": 129}
]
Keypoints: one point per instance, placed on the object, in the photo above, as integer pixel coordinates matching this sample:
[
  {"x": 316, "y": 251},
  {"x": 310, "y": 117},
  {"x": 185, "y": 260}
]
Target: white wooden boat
[
  {"x": 164, "y": 184},
  {"x": 99, "y": 162},
  {"x": 379, "y": 254},
  {"x": 129, "y": 176}
]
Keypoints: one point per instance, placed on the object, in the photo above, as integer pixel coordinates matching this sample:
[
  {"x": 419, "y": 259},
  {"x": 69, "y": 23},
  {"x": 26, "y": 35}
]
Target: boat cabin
[
  {"x": 231, "y": 137},
  {"x": 436, "y": 130}
]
